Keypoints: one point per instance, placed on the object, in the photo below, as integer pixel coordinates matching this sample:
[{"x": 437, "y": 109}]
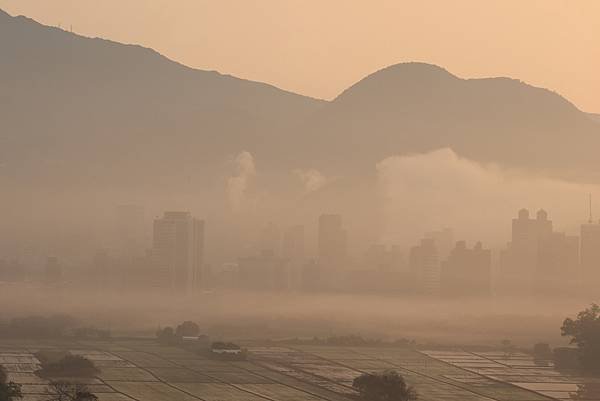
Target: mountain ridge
[
  {"x": 97, "y": 102},
  {"x": 26, "y": 19},
  {"x": 431, "y": 74},
  {"x": 418, "y": 107}
]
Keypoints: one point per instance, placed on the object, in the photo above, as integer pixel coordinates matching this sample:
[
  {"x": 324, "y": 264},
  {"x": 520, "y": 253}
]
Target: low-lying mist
[{"x": 243, "y": 315}]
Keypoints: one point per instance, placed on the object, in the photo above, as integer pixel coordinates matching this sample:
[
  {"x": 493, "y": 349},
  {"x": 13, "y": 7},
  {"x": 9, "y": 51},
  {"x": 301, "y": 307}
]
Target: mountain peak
[
  {"x": 399, "y": 80},
  {"x": 411, "y": 71},
  {"x": 414, "y": 68}
]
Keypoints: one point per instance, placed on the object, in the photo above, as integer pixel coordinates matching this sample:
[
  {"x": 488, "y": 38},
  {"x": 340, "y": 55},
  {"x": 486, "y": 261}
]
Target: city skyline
[{"x": 535, "y": 260}]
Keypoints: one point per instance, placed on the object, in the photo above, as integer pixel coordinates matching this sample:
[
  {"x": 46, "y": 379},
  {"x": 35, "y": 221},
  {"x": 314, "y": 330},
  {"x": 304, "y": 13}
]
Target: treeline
[
  {"x": 187, "y": 330},
  {"x": 57, "y": 326},
  {"x": 64, "y": 364},
  {"x": 583, "y": 356},
  {"x": 187, "y": 335}
]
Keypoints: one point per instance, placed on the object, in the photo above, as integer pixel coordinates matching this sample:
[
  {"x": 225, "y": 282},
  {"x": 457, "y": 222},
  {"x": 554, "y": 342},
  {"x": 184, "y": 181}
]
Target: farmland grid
[{"x": 142, "y": 370}]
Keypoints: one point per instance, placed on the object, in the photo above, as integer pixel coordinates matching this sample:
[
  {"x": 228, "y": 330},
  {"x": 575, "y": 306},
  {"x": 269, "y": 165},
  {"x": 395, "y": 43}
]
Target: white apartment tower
[{"x": 178, "y": 249}]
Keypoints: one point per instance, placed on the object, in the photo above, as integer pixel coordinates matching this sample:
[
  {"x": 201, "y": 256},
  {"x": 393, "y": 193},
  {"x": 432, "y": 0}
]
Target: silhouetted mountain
[
  {"x": 87, "y": 111},
  {"x": 416, "y": 107},
  {"x": 75, "y": 107}
]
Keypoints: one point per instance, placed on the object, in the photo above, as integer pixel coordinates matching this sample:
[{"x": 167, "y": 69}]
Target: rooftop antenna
[{"x": 590, "y": 220}]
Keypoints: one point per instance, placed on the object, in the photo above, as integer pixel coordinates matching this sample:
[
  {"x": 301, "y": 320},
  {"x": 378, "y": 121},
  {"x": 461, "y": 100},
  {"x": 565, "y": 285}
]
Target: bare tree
[
  {"x": 64, "y": 391},
  {"x": 9, "y": 391}
]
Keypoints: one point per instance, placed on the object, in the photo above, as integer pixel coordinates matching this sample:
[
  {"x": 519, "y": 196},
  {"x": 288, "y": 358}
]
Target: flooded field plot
[
  {"x": 144, "y": 370},
  {"x": 126, "y": 374},
  {"x": 434, "y": 379},
  {"x": 279, "y": 392},
  {"x": 218, "y": 392},
  {"x": 525, "y": 372},
  {"x": 149, "y": 391}
]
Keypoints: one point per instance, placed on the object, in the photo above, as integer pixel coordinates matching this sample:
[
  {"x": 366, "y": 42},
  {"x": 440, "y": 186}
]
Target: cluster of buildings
[
  {"x": 536, "y": 260},
  {"x": 541, "y": 260},
  {"x": 438, "y": 266}
]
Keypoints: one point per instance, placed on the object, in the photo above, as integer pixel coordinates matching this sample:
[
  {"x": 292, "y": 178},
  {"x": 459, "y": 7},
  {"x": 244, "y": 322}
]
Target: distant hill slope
[
  {"x": 70, "y": 102},
  {"x": 87, "y": 111},
  {"x": 415, "y": 107}
]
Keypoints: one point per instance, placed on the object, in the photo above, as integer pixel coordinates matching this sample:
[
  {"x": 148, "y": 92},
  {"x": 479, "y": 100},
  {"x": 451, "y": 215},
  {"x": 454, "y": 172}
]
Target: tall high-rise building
[
  {"x": 558, "y": 256},
  {"x": 558, "y": 264},
  {"x": 519, "y": 262},
  {"x": 526, "y": 237},
  {"x": 425, "y": 267},
  {"x": 178, "y": 249},
  {"x": 444, "y": 241},
  {"x": 467, "y": 272},
  {"x": 332, "y": 241}
]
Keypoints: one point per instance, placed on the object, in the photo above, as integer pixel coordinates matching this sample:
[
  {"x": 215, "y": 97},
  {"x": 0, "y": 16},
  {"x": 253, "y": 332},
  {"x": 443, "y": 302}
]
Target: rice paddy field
[{"x": 146, "y": 371}]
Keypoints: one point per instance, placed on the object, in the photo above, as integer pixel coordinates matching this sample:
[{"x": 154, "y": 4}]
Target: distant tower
[
  {"x": 444, "y": 241},
  {"x": 523, "y": 214},
  {"x": 590, "y": 247},
  {"x": 521, "y": 259},
  {"x": 425, "y": 267},
  {"x": 542, "y": 215},
  {"x": 467, "y": 271},
  {"x": 179, "y": 249}
]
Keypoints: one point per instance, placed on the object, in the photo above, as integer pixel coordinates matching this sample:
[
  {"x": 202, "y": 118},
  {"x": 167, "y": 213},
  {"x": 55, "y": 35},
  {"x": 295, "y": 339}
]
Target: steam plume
[
  {"x": 311, "y": 179},
  {"x": 239, "y": 182},
  {"x": 426, "y": 191}
]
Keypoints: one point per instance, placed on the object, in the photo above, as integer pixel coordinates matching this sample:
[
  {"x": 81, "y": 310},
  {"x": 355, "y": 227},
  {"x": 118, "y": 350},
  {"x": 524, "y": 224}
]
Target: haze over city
[{"x": 277, "y": 199}]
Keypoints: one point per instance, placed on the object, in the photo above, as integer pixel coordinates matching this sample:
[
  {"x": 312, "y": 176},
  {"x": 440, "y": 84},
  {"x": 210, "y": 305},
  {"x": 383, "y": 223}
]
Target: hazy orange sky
[{"x": 320, "y": 47}]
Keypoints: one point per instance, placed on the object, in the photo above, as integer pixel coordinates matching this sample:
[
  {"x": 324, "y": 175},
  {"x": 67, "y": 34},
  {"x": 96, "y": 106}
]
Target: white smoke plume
[
  {"x": 311, "y": 179},
  {"x": 440, "y": 189},
  {"x": 239, "y": 183}
]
